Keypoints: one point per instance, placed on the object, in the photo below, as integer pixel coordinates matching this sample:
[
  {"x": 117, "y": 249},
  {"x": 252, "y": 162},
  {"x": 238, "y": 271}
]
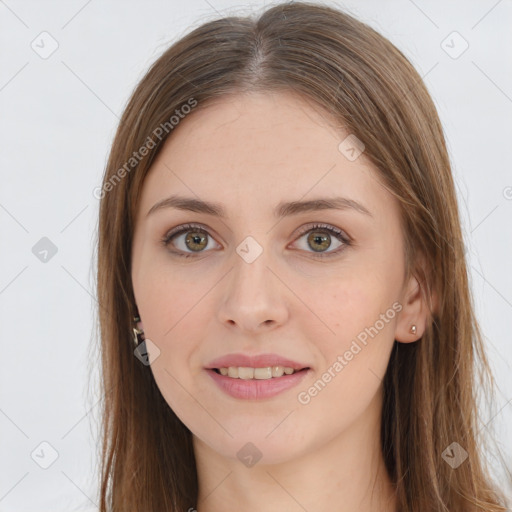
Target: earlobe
[
  {"x": 138, "y": 331},
  {"x": 412, "y": 319}
]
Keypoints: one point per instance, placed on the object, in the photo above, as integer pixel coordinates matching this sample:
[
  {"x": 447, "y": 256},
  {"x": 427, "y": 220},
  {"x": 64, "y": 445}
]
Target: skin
[{"x": 249, "y": 152}]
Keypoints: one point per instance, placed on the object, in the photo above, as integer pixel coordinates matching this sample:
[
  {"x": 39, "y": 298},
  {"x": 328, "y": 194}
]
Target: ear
[
  {"x": 417, "y": 307},
  {"x": 137, "y": 315}
]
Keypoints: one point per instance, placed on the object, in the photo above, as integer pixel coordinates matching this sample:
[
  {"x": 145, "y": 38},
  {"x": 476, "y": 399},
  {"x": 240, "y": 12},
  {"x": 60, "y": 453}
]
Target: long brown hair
[{"x": 366, "y": 85}]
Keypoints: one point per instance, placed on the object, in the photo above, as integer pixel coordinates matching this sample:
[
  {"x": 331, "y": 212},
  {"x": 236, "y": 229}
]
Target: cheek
[
  {"x": 174, "y": 326},
  {"x": 355, "y": 358},
  {"x": 166, "y": 299},
  {"x": 361, "y": 318},
  {"x": 169, "y": 311},
  {"x": 350, "y": 303}
]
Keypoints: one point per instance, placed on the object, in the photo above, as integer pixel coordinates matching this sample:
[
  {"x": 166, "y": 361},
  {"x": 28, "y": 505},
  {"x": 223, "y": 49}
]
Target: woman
[{"x": 279, "y": 232}]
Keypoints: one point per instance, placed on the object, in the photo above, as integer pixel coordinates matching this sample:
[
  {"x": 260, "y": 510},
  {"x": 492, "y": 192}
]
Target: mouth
[
  {"x": 262, "y": 373},
  {"x": 256, "y": 376},
  {"x": 262, "y": 383}
]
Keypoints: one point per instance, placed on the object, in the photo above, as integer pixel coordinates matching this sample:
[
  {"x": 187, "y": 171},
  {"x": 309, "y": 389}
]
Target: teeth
[
  {"x": 246, "y": 373},
  {"x": 277, "y": 371},
  {"x": 263, "y": 373}
]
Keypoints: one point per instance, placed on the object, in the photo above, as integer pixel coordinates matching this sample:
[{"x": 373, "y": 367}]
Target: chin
[{"x": 255, "y": 446}]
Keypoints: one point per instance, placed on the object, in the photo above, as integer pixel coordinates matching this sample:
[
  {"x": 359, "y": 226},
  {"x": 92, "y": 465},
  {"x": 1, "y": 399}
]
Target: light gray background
[{"x": 57, "y": 121}]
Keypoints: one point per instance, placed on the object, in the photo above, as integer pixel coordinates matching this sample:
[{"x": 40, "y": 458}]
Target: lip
[
  {"x": 256, "y": 361},
  {"x": 254, "y": 389}
]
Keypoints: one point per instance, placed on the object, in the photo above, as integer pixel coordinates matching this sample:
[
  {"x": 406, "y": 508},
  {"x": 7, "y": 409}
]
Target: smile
[{"x": 256, "y": 383}]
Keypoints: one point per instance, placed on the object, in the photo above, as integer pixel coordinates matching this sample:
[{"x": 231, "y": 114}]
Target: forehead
[{"x": 256, "y": 149}]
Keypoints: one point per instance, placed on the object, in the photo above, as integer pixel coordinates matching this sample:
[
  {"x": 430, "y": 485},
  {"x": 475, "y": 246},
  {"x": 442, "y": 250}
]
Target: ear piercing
[
  {"x": 138, "y": 333},
  {"x": 413, "y": 329}
]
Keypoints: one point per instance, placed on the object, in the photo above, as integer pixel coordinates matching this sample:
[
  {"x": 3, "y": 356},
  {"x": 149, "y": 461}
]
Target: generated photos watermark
[
  {"x": 159, "y": 132},
  {"x": 304, "y": 397}
]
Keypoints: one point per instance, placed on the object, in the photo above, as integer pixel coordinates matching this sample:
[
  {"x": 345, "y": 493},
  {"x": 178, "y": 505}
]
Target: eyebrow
[{"x": 283, "y": 209}]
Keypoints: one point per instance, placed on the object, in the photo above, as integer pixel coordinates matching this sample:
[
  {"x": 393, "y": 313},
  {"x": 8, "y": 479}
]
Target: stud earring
[
  {"x": 413, "y": 329},
  {"x": 138, "y": 333}
]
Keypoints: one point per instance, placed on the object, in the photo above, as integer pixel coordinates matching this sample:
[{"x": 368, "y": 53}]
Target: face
[{"x": 319, "y": 287}]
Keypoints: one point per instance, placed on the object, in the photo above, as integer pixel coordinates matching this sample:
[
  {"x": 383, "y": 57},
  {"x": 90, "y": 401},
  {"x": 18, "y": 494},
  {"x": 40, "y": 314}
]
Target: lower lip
[{"x": 255, "y": 389}]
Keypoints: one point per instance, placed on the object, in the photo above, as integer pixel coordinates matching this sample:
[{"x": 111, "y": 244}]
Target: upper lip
[{"x": 256, "y": 361}]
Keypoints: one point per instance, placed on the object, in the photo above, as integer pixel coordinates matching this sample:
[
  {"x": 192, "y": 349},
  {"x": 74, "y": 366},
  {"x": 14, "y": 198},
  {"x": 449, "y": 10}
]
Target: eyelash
[{"x": 340, "y": 235}]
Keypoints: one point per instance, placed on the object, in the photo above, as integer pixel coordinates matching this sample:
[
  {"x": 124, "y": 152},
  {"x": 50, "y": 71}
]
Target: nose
[{"x": 254, "y": 296}]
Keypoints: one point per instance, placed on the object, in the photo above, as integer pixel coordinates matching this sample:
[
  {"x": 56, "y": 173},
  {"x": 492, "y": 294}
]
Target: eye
[
  {"x": 196, "y": 239},
  {"x": 320, "y": 238}
]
